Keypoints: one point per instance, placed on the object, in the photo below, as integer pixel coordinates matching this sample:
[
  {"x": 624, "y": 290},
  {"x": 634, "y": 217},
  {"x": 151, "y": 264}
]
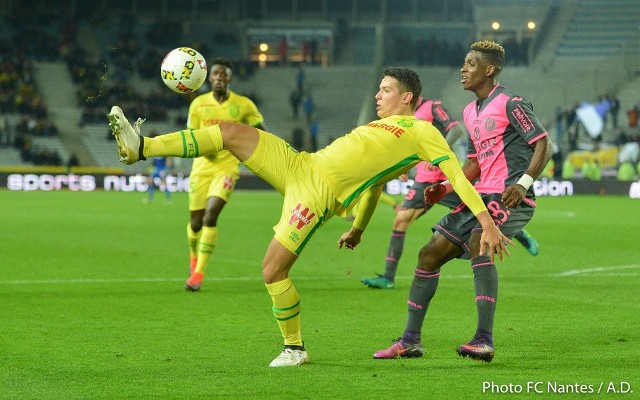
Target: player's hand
[
  {"x": 513, "y": 195},
  {"x": 434, "y": 193},
  {"x": 350, "y": 239},
  {"x": 493, "y": 242}
]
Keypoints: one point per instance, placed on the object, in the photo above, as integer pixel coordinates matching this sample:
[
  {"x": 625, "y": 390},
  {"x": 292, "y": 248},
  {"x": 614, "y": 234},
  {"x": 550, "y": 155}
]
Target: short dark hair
[
  {"x": 492, "y": 51},
  {"x": 225, "y": 62},
  {"x": 409, "y": 81}
]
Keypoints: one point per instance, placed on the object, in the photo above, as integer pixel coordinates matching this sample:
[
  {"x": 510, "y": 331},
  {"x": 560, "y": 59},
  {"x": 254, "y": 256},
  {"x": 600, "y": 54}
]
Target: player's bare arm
[
  {"x": 436, "y": 192},
  {"x": 351, "y": 238},
  {"x": 542, "y": 153},
  {"x": 368, "y": 204},
  {"x": 492, "y": 241}
]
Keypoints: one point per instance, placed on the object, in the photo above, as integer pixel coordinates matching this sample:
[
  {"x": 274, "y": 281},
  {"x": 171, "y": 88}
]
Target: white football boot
[
  {"x": 290, "y": 358},
  {"x": 128, "y": 137}
]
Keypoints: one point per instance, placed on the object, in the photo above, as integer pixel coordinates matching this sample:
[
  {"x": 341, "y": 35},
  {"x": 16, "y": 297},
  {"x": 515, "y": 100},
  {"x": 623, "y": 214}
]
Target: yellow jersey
[
  {"x": 381, "y": 150},
  {"x": 205, "y": 111}
]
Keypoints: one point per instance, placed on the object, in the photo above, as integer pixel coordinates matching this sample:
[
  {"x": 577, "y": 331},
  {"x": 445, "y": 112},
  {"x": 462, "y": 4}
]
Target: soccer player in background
[
  {"x": 159, "y": 169},
  {"x": 213, "y": 176},
  {"x": 507, "y": 149},
  {"x": 317, "y": 186},
  {"x": 414, "y": 207}
]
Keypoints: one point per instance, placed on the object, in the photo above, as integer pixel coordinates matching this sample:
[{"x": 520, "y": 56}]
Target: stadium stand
[
  {"x": 98, "y": 61},
  {"x": 591, "y": 32}
]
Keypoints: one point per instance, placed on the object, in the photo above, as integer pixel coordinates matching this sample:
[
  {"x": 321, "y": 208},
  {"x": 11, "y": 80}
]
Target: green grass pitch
[{"x": 92, "y": 306}]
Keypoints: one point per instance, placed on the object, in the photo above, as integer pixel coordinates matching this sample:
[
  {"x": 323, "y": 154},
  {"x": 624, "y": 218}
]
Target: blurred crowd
[
  {"x": 134, "y": 52},
  {"x": 594, "y": 135},
  {"x": 19, "y": 94}
]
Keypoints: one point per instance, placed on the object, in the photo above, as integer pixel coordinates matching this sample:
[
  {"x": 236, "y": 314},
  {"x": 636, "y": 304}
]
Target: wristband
[{"x": 525, "y": 181}]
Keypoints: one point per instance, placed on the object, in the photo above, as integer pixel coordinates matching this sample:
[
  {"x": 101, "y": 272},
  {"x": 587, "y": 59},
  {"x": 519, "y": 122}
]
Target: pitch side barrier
[{"x": 86, "y": 181}]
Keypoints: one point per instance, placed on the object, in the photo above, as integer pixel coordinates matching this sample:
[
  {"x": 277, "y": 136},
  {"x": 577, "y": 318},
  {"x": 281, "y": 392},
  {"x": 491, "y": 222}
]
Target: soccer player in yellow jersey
[
  {"x": 317, "y": 186},
  {"x": 213, "y": 176}
]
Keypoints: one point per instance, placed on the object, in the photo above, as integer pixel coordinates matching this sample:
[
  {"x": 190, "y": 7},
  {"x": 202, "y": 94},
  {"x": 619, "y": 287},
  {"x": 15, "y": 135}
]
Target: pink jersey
[
  {"x": 434, "y": 112},
  {"x": 502, "y": 129}
]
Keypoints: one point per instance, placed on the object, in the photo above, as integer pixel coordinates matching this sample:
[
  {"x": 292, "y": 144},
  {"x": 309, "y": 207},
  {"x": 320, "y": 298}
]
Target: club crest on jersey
[
  {"x": 489, "y": 124},
  {"x": 405, "y": 123},
  {"x": 300, "y": 216},
  {"x": 234, "y": 110}
]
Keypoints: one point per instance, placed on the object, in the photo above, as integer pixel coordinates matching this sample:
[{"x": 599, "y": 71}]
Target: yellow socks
[
  {"x": 206, "y": 244},
  {"x": 192, "y": 240},
  {"x": 286, "y": 309},
  {"x": 188, "y": 143}
]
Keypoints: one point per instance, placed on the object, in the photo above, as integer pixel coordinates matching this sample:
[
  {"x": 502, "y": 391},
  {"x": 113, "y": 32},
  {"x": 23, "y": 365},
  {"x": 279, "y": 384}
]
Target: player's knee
[
  {"x": 402, "y": 219},
  {"x": 426, "y": 259},
  {"x": 435, "y": 254},
  {"x": 272, "y": 272},
  {"x": 232, "y": 131},
  {"x": 210, "y": 220},
  {"x": 196, "y": 224}
]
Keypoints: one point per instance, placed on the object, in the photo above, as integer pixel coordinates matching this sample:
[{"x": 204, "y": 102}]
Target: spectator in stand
[
  {"x": 309, "y": 107},
  {"x": 295, "y": 99},
  {"x": 314, "y": 130},
  {"x": 632, "y": 116},
  {"x": 4, "y": 131},
  {"x": 283, "y": 49},
  {"x": 300, "y": 78},
  {"x": 73, "y": 161},
  {"x": 314, "y": 51},
  {"x": 614, "y": 110},
  {"x": 630, "y": 149},
  {"x": 297, "y": 137}
]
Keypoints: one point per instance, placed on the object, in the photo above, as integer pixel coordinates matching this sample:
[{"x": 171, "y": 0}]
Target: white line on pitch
[{"x": 613, "y": 271}]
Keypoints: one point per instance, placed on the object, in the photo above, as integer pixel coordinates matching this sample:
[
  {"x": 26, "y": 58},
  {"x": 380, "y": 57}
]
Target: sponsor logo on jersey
[
  {"x": 397, "y": 132},
  {"x": 211, "y": 122},
  {"x": 522, "y": 119},
  {"x": 300, "y": 216}
]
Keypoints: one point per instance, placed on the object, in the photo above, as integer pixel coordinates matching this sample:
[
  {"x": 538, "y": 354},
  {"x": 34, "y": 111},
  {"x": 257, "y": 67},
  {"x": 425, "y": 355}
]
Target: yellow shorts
[
  {"x": 208, "y": 179},
  {"x": 308, "y": 202}
]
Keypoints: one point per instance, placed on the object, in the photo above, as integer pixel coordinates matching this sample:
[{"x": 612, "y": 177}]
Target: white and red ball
[{"x": 183, "y": 70}]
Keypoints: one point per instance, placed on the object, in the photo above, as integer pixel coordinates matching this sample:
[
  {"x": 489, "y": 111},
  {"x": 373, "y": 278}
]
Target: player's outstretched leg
[
  {"x": 128, "y": 137},
  {"x": 528, "y": 241}
]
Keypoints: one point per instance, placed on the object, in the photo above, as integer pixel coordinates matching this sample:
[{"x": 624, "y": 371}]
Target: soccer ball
[{"x": 183, "y": 70}]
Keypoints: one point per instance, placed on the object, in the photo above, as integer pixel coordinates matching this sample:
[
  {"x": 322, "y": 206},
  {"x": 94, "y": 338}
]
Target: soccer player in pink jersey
[
  {"x": 507, "y": 149},
  {"x": 413, "y": 206}
]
